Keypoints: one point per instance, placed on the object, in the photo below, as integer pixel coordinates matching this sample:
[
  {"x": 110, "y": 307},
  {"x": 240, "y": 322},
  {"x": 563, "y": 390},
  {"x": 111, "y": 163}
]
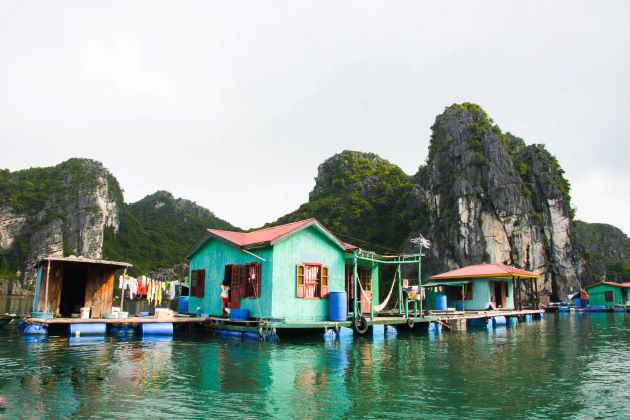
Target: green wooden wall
[
  {"x": 596, "y": 295},
  {"x": 213, "y": 256},
  {"x": 309, "y": 245}
]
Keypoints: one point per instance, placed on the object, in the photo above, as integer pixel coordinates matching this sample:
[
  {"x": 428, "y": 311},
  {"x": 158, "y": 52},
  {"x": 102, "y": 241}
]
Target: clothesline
[{"x": 146, "y": 288}]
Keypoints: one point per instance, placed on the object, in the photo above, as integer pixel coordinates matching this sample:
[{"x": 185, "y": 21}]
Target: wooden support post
[
  {"x": 536, "y": 289},
  {"x": 46, "y": 296},
  {"x": 400, "y": 294},
  {"x": 355, "y": 279},
  {"x": 122, "y": 294},
  {"x": 420, "y": 289}
]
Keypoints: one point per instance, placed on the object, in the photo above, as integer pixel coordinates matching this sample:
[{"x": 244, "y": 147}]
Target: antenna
[{"x": 421, "y": 242}]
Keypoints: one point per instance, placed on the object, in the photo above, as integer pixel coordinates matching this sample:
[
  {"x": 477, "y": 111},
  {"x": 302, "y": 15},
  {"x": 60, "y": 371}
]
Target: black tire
[
  {"x": 360, "y": 325},
  {"x": 410, "y": 323}
]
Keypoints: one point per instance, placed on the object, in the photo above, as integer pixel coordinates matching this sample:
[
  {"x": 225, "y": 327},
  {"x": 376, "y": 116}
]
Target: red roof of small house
[
  {"x": 485, "y": 270},
  {"x": 625, "y": 285},
  {"x": 265, "y": 237}
]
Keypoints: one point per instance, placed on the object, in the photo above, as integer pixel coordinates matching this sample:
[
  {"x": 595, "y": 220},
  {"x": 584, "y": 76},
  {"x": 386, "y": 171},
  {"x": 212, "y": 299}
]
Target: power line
[{"x": 366, "y": 242}]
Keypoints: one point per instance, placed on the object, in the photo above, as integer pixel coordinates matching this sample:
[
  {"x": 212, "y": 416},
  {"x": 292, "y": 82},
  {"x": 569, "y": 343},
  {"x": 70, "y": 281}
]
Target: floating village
[{"x": 291, "y": 280}]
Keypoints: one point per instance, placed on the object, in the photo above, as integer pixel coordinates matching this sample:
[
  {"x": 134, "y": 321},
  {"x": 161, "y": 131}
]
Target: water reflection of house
[{"x": 476, "y": 286}]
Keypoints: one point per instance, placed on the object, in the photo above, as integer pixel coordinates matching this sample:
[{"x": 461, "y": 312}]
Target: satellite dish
[{"x": 421, "y": 242}]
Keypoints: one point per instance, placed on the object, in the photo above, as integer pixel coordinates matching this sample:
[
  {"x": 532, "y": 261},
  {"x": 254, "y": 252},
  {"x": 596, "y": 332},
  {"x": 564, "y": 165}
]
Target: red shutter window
[
  {"x": 324, "y": 282},
  {"x": 608, "y": 296},
  {"x": 299, "y": 282},
  {"x": 193, "y": 283},
  {"x": 469, "y": 293},
  {"x": 201, "y": 282},
  {"x": 253, "y": 280}
]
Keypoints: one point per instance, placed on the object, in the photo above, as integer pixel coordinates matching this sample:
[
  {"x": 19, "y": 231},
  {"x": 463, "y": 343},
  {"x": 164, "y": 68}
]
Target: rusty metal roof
[
  {"x": 82, "y": 260},
  {"x": 485, "y": 270}
]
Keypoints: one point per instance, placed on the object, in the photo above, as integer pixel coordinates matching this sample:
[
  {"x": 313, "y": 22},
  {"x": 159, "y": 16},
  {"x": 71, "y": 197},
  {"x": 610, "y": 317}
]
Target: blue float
[
  {"x": 330, "y": 335},
  {"x": 440, "y": 302},
  {"x": 540, "y": 316},
  {"x": 527, "y": 318},
  {"x": 499, "y": 321},
  {"x": 391, "y": 332},
  {"x": 234, "y": 334},
  {"x": 156, "y": 328},
  {"x": 512, "y": 322},
  {"x": 337, "y": 306},
  {"x": 35, "y": 329},
  {"x": 96, "y": 328},
  {"x": 248, "y": 335}
]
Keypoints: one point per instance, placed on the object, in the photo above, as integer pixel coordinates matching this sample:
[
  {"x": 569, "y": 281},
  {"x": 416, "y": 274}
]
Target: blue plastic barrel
[
  {"x": 527, "y": 318},
  {"x": 337, "y": 306},
  {"x": 499, "y": 321},
  {"x": 440, "y": 302},
  {"x": 239, "y": 314},
  {"x": 584, "y": 303},
  {"x": 87, "y": 329},
  {"x": 512, "y": 322},
  {"x": 578, "y": 302},
  {"x": 248, "y": 335},
  {"x": 156, "y": 328},
  {"x": 182, "y": 304},
  {"x": 459, "y": 307}
]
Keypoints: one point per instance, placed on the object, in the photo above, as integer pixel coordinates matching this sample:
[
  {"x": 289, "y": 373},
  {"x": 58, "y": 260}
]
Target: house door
[
  {"x": 499, "y": 294},
  {"x": 237, "y": 285},
  {"x": 349, "y": 287},
  {"x": 72, "y": 290}
]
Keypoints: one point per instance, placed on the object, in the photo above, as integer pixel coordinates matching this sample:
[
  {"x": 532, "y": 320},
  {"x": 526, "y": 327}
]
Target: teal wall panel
[
  {"x": 596, "y": 295},
  {"x": 309, "y": 243}
]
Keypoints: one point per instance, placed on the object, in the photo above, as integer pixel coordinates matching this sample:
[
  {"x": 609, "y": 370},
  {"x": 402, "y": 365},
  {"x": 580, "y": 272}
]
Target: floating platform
[{"x": 136, "y": 320}]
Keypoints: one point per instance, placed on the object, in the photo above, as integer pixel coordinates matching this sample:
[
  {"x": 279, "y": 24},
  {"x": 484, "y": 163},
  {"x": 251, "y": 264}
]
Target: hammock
[{"x": 386, "y": 301}]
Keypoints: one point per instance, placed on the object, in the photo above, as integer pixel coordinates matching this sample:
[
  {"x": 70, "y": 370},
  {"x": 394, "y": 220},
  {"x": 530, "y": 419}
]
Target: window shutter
[
  {"x": 201, "y": 282},
  {"x": 243, "y": 280},
  {"x": 324, "y": 282},
  {"x": 193, "y": 283},
  {"x": 299, "y": 289}
]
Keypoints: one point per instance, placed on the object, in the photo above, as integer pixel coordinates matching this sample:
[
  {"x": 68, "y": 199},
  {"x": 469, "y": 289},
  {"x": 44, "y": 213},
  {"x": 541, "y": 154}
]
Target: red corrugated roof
[
  {"x": 270, "y": 236},
  {"x": 484, "y": 270},
  {"x": 262, "y": 235}
]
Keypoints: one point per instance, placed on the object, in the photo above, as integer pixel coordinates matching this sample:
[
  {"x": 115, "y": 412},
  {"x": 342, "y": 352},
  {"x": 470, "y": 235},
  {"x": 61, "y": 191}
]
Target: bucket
[
  {"x": 182, "y": 304},
  {"x": 337, "y": 306},
  {"x": 459, "y": 307},
  {"x": 440, "y": 302},
  {"x": 85, "y": 313}
]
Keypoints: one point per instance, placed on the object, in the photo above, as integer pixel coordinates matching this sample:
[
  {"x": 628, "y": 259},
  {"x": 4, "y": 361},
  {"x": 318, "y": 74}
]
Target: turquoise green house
[
  {"x": 283, "y": 272},
  {"x": 483, "y": 286},
  {"x": 608, "y": 294}
]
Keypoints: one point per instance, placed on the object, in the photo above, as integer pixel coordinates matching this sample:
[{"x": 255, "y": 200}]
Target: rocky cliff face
[
  {"x": 55, "y": 211},
  {"x": 608, "y": 250},
  {"x": 492, "y": 199}
]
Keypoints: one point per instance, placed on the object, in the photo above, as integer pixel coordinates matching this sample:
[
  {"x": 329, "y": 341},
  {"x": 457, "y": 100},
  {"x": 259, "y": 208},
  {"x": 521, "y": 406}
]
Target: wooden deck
[
  {"x": 455, "y": 315},
  {"x": 119, "y": 321}
]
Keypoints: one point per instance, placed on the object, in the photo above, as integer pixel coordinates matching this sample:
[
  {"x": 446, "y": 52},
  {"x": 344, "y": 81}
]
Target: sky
[{"x": 234, "y": 104}]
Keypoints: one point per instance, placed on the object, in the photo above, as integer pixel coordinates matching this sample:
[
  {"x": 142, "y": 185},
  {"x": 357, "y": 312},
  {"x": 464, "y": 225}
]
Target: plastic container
[
  {"x": 182, "y": 304},
  {"x": 123, "y": 315},
  {"x": 95, "y": 328},
  {"x": 109, "y": 315},
  {"x": 239, "y": 314},
  {"x": 85, "y": 313},
  {"x": 42, "y": 315},
  {"x": 440, "y": 302},
  {"x": 337, "y": 306},
  {"x": 459, "y": 307},
  {"x": 499, "y": 321},
  {"x": 156, "y": 328}
]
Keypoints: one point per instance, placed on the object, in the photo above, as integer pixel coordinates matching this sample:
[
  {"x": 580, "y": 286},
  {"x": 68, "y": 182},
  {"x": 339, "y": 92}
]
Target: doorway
[
  {"x": 499, "y": 294},
  {"x": 72, "y": 290}
]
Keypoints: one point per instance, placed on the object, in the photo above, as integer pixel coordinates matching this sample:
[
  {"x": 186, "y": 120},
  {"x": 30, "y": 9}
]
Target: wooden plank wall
[
  {"x": 55, "y": 282},
  {"x": 99, "y": 290}
]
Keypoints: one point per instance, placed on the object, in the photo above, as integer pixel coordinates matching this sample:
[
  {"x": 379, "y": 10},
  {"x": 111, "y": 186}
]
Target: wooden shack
[{"x": 66, "y": 284}]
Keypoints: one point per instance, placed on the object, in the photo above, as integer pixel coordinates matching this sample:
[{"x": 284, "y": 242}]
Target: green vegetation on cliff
[
  {"x": 608, "y": 250},
  {"x": 157, "y": 231},
  {"x": 363, "y": 199}
]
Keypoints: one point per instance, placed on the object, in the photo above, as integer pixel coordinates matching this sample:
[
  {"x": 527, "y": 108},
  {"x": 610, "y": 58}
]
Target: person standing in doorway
[{"x": 225, "y": 298}]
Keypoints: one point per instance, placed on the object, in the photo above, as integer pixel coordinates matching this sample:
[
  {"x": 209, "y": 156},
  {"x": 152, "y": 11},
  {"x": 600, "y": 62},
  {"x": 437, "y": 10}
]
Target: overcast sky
[{"x": 234, "y": 104}]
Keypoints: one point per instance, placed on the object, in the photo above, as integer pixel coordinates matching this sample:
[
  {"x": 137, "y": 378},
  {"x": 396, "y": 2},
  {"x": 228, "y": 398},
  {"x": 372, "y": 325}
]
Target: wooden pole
[
  {"x": 46, "y": 297},
  {"x": 400, "y": 295},
  {"x": 420, "y": 290},
  {"x": 122, "y": 295},
  {"x": 355, "y": 278}
]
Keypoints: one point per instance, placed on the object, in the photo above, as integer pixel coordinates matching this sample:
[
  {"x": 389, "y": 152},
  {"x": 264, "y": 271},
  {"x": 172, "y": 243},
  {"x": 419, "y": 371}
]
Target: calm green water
[{"x": 565, "y": 366}]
